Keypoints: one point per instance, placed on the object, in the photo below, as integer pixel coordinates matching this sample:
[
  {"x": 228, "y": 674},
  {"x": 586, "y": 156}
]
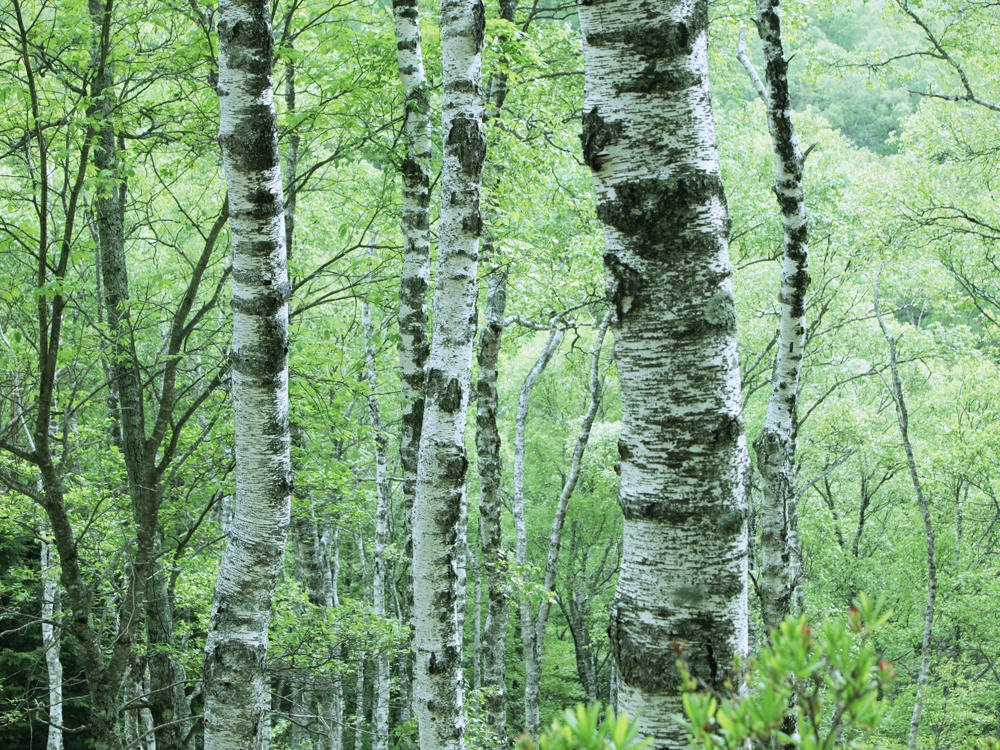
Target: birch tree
[
  {"x": 490, "y": 506},
  {"x": 649, "y": 140},
  {"x": 237, "y": 698},
  {"x": 440, "y": 492},
  {"x": 775, "y": 446},
  {"x": 380, "y": 709}
]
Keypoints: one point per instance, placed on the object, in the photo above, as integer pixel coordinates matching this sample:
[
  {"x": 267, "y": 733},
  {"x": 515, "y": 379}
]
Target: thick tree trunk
[
  {"x": 649, "y": 140},
  {"x": 236, "y": 685},
  {"x": 440, "y": 493},
  {"x": 380, "y": 707},
  {"x": 775, "y": 446},
  {"x": 490, "y": 506}
]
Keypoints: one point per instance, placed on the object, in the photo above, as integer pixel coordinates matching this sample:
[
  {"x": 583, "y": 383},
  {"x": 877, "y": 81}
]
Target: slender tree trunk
[
  {"x": 559, "y": 519},
  {"x": 923, "y": 501},
  {"x": 440, "y": 492},
  {"x": 415, "y": 277},
  {"x": 532, "y": 668},
  {"x": 649, "y": 140},
  {"x": 236, "y": 682},
  {"x": 490, "y": 506},
  {"x": 576, "y": 610},
  {"x": 775, "y": 446},
  {"x": 51, "y": 644},
  {"x": 359, "y": 703},
  {"x": 380, "y": 707},
  {"x": 332, "y": 710}
]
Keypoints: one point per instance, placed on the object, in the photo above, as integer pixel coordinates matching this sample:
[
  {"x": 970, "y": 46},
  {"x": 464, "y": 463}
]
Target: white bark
[
  {"x": 51, "y": 645},
  {"x": 415, "y": 277},
  {"x": 380, "y": 709},
  {"x": 332, "y": 705},
  {"x": 649, "y": 139},
  {"x": 440, "y": 493},
  {"x": 237, "y": 699},
  {"x": 359, "y": 703},
  {"x": 532, "y": 668},
  {"x": 490, "y": 505},
  {"x": 775, "y": 446}
]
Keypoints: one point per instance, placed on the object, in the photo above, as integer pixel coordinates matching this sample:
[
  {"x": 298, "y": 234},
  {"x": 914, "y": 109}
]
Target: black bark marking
[
  {"x": 597, "y": 135},
  {"x": 658, "y": 211},
  {"x": 468, "y": 143},
  {"x": 624, "y": 284}
]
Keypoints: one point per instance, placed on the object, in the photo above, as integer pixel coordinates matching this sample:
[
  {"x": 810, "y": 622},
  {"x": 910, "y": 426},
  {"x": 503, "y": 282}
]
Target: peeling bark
[
  {"x": 237, "y": 699},
  {"x": 649, "y": 139}
]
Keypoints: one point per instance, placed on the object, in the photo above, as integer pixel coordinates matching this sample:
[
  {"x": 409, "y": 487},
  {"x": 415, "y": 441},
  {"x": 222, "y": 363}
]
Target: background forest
[{"x": 897, "y": 107}]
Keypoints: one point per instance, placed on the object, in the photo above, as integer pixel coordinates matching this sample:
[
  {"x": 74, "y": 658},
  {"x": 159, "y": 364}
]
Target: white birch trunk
[
  {"x": 51, "y": 645},
  {"x": 532, "y": 669},
  {"x": 415, "y": 277},
  {"x": 775, "y": 446},
  {"x": 440, "y": 493},
  {"x": 332, "y": 705},
  {"x": 380, "y": 708},
  {"x": 237, "y": 701},
  {"x": 649, "y": 139},
  {"x": 359, "y": 704},
  {"x": 490, "y": 505}
]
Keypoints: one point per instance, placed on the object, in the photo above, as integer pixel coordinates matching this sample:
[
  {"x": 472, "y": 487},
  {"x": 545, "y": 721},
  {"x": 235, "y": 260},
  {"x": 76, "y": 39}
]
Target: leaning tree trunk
[
  {"x": 649, "y": 139},
  {"x": 532, "y": 668},
  {"x": 237, "y": 699},
  {"x": 490, "y": 506},
  {"x": 775, "y": 446},
  {"x": 440, "y": 491}
]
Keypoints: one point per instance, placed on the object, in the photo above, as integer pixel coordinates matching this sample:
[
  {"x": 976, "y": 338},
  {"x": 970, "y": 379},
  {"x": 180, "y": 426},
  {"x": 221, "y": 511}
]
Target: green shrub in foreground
[
  {"x": 585, "y": 729},
  {"x": 829, "y": 682}
]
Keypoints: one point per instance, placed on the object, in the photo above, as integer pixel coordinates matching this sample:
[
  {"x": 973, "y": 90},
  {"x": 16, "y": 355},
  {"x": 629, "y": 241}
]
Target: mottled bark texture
[
  {"x": 775, "y": 446},
  {"x": 415, "y": 277},
  {"x": 413, "y": 283},
  {"x": 649, "y": 139},
  {"x": 236, "y": 690},
  {"x": 490, "y": 506},
  {"x": 439, "y": 504}
]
